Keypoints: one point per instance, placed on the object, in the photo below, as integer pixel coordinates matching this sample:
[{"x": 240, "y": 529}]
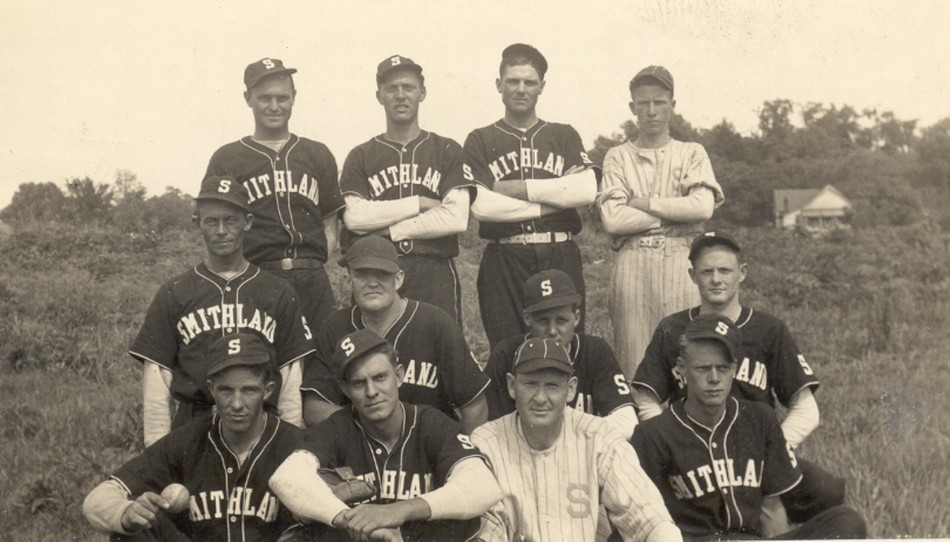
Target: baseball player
[
  {"x": 656, "y": 194},
  {"x": 224, "y": 462},
  {"x": 531, "y": 177},
  {"x": 220, "y": 296},
  {"x": 558, "y": 466},
  {"x": 715, "y": 458},
  {"x": 432, "y": 484},
  {"x": 552, "y": 311},
  {"x": 440, "y": 370},
  {"x": 411, "y": 186},
  {"x": 292, "y": 189},
  {"x": 770, "y": 366}
]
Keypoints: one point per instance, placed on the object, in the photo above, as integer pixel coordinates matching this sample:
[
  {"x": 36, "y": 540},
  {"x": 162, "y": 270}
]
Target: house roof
[{"x": 801, "y": 198}]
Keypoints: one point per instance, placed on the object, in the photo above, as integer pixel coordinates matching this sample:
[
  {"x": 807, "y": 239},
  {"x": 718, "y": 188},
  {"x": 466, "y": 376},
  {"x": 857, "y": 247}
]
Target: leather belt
[
  {"x": 536, "y": 238},
  {"x": 651, "y": 241},
  {"x": 288, "y": 264}
]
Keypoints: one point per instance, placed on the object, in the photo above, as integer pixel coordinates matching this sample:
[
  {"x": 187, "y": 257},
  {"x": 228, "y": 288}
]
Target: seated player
[
  {"x": 432, "y": 484},
  {"x": 552, "y": 311},
  {"x": 224, "y": 462},
  {"x": 439, "y": 368},
  {"x": 558, "y": 466},
  {"x": 715, "y": 458}
]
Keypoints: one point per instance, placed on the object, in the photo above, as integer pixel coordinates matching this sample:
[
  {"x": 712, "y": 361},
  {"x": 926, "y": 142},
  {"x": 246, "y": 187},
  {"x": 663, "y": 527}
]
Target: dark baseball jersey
[
  {"x": 713, "y": 479},
  {"x": 228, "y": 501},
  {"x": 291, "y": 192},
  {"x": 770, "y": 365},
  {"x": 430, "y": 446},
  {"x": 429, "y": 166},
  {"x": 500, "y": 152},
  {"x": 601, "y": 386},
  {"x": 440, "y": 369},
  {"x": 195, "y": 308}
]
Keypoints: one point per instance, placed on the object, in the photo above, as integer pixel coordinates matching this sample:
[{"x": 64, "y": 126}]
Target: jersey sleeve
[
  {"x": 156, "y": 340},
  {"x": 331, "y": 197},
  {"x": 575, "y": 154},
  {"x": 655, "y": 372},
  {"x": 157, "y": 466},
  {"x": 319, "y": 375},
  {"x": 781, "y": 471},
  {"x": 791, "y": 372},
  {"x": 497, "y": 368},
  {"x": 353, "y": 178},
  {"x": 648, "y": 450},
  {"x": 444, "y": 442},
  {"x": 292, "y": 337},
  {"x": 458, "y": 173},
  {"x": 610, "y": 388},
  {"x": 699, "y": 172},
  {"x": 460, "y": 375},
  {"x": 477, "y": 159},
  {"x": 323, "y": 439},
  {"x": 217, "y": 165}
]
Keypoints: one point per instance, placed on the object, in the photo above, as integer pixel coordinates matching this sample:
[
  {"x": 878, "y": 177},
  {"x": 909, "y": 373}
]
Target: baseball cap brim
[
  {"x": 711, "y": 241},
  {"x": 253, "y": 83},
  {"x": 713, "y": 336},
  {"x": 533, "y": 365},
  {"x": 370, "y": 262},
  {"x": 380, "y": 77},
  {"x": 237, "y": 361},
  {"x": 554, "y": 301},
  {"x": 224, "y": 199}
]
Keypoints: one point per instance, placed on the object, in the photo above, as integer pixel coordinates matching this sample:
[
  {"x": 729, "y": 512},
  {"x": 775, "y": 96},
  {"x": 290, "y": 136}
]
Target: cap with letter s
[
  {"x": 709, "y": 239},
  {"x": 395, "y": 62},
  {"x": 657, "y": 74},
  {"x": 239, "y": 349},
  {"x": 716, "y": 327},
  {"x": 536, "y": 354},
  {"x": 226, "y": 189},
  {"x": 265, "y": 67},
  {"x": 353, "y": 346},
  {"x": 547, "y": 289},
  {"x": 371, "y": 252}
]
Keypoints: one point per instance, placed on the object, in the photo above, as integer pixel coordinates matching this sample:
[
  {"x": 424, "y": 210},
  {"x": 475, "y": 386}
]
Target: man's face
[
  {"x": 272, "y": 101},
  {"x": 554, "y": 323},
  {"x": 653, "y": 106},
  {"x": 239, "y": 393},
  {"x": 520, "y": 87},
  {"x": 708, "y": 373},
  {"x": 374, "y": 289},
  {"x": 400, "y": 95},
  {"x": 540, "y": 396},
  {"x": 223, "y": 227},
  {"x": 372, "y": 385},
  {"x": 717, "y": 273}
]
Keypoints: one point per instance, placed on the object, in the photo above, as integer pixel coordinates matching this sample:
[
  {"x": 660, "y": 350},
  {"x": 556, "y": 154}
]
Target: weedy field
[{"x": 869, "y": 308}]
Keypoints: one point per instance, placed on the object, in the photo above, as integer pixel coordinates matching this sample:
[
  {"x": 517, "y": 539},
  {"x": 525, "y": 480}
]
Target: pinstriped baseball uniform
[
  {"x": 650, "y": 276},
  {"x": 556, "y": 494}
]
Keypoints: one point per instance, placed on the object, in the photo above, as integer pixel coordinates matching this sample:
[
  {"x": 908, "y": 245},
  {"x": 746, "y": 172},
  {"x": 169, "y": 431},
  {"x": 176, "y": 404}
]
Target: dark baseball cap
[
  {"x": 226, "y": 189},
  {"x": 353, "y": 347},
  {"x": 393, "y": 63},
  {"x": 529, "y": 52},
  {"x": 551, "y": 288},
  {"x": 240, "y": 349},
  {"x": 536, "y": 354},
  {"x": 709, "y": 239},
  {"x": 255, "y": 71},
  {"x": 658, "y": 74},
  {"x": 371, "y": 252},
  {"x": 716, "y": 327}
]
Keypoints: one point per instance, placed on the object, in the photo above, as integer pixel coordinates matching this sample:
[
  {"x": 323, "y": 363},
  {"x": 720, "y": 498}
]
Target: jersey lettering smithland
[
  {"x": 528, "y": 158},
  {"x": 282, "y": 181},
  {"x": 207, "y": 505},
  {"x": 404, "y": 175},
  {"x": 226, "y": 316}
]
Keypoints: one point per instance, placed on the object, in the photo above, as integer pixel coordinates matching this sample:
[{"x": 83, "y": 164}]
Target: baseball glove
[{"x": 347, "y": 487}]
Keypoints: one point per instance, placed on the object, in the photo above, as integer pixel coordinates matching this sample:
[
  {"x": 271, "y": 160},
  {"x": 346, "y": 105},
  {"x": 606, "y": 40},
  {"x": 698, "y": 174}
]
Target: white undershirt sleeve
[
  {"x": 157, "y": 402},
  {"x": 104, "y": 506},
  {"x": 802, "y": 419},
  {"x": 624, "y": 420},
  {"x": 449, "y": 218},
  {"x": 469, "y": 491},
  {"x": 289, "y": 402},
  {"x": 698, "y": 205},
  {"x": 491, "y": 206},
  {"x": 648, "y": 403},
  {"x": 297, "y": 485},
  {"x": 567, "y": 192},
  {"x": 363, "y": 216}
]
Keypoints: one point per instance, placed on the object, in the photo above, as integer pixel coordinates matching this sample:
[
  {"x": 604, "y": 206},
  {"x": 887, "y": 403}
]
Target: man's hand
[
  {"x": 142, "y": 514},
  {"x": 366, "y": 518},
  {"x": 388, "y": 534},
  {"x": 426, "y": 203}
]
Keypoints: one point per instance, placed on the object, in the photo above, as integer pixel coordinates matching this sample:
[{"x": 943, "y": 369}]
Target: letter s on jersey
[
  {"x": 467, "y": 172},
  {"x": 466, "y": 442}
]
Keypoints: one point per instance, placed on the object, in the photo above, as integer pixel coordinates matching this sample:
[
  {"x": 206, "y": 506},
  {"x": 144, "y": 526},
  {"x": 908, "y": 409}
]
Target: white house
[{"x": 812, "y": 209}]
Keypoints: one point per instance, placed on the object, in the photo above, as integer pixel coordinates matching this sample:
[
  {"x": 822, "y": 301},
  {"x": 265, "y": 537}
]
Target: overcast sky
[{"x": 92, "y": 87}]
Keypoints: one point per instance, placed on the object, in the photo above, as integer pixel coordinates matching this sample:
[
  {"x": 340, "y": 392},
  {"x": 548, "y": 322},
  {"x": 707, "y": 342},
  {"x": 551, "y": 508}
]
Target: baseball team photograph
[{"x": 409, "y": 281}]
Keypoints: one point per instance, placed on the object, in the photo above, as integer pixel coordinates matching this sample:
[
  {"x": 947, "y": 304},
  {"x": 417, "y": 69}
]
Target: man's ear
[
  {"x": 692, "y": 274},
  {"x": 400, "y": 278},
  {"x": 498, "y": 85},
  {"x": 743, "y": 271},
  {"x": 269, "y": 389},
  {"x": 400, "y": 374},
  {"x": 248, "y": 221},
  {"x": 571, "y": 388},
  {"x": 510, "y": 379},
  {"x": 247, "y": 97}
]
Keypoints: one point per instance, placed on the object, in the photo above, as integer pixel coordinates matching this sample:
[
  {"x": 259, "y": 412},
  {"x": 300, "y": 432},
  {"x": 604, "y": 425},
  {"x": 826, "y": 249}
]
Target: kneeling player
[
  {"x": 432, "y": 484},
  {"x": 224, "y": 462},
  {"x": 715, "y": 458}
]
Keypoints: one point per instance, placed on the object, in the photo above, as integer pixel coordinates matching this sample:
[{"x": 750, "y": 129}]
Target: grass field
[{"x": 869, "y": 309}]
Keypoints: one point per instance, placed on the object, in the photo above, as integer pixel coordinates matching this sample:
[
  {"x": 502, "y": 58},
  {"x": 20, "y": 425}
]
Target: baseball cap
[
  {"x": 395, "y": 62},
  {"x": 535, "y": 354},
  {"x": 716, "y": 327},
  {"x": 551, "y": 288},
  {"x": 371, "y": 252},
  {"x": 525, "y": 50},
  {"x": 354, "y": 346},
  {"x": 226, "y": 189},
  {"x": 255, "y": 71},
  {"x": 712, "y": 238},
  {"x": 240, "y": 349},
  {"x": 657, "y": 73}
]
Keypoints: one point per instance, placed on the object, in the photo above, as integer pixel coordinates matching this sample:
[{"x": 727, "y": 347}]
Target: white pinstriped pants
[{"x": 647, "y": 284}]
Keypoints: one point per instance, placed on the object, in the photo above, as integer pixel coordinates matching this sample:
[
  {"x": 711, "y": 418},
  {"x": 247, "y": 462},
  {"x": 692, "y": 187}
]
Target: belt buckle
[{"x": 287, "y": 264}]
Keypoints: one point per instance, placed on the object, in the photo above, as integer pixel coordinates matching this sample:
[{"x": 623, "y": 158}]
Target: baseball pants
[
  {"x": 314, "y": 293},
  {"x": 433, "y": 280},
  {"x": 818, "y": 491}
]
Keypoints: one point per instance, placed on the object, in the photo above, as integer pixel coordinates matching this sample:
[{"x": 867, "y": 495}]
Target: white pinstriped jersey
[{"x": 556, "y": 494}]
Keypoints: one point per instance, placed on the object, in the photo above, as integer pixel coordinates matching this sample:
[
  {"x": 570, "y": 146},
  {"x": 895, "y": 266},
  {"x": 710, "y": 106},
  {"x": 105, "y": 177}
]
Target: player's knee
[{"x": 847, "y": 522}]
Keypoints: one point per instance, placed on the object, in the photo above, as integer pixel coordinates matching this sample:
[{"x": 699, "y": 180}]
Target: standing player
[
  {"x": 432, "y": 484},
  {"x": 771, "y": 366},
  {"x": 656, "y": 194},
  {"x": 411, "y": 186},
  {"x": 553, "y": 312},
  {"x": 558, "y": 466},
  {"x": 532, "y": 175},
  {"x": 440, "y": 370},
  {"x": 292, "y": 189},
  {"x": 220, "y": 296},
  {"x": 224, "y": 462},
  {"x": 716, "y": 458}
]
